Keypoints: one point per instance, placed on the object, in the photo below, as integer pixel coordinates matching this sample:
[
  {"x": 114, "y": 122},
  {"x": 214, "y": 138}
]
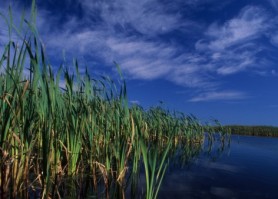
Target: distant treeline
[{"x": 250, "y": 130}]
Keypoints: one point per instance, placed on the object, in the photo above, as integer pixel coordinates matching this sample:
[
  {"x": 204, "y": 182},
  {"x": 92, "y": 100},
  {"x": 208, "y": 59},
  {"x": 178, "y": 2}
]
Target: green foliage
[
  {"x": 270, "y": 131},
  {"x": 84, "y": 130}
]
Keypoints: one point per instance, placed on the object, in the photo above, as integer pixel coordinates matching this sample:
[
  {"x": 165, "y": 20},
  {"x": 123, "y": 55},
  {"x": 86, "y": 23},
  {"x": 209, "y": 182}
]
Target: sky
[{"x": 214, "y": 59}]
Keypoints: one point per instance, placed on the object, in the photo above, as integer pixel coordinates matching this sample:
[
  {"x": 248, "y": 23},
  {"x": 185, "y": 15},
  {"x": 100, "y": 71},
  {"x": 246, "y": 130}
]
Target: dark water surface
[{"x": 247, "y": 169}]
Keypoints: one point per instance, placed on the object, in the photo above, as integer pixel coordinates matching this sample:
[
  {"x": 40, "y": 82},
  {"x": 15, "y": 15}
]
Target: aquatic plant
[{"x": 86, "y": 130}]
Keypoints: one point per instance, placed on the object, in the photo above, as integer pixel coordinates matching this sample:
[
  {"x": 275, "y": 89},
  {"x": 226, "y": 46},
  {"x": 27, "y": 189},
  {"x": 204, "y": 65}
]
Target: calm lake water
[{"x": 246, "y": 169}]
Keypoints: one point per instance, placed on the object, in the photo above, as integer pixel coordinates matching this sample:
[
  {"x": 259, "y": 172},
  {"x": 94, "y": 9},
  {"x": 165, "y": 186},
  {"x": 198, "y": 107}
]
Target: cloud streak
[
  {"x": 148, "y": 17},
  {"x": 233, "y": 46},
  {"x": 216, "y": 96},
  {"x": 139, "y": 56},
  {"x": 247, "y": 26}
]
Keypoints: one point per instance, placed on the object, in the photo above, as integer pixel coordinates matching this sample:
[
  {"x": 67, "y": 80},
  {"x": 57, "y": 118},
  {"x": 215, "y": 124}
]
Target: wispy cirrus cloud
[
  {"x": 225, "y": 49},
  {"x": 233, "y": 46},
  {"x": 216, "y": 96},
  {"x": 247, "y": 26},
  {"x": 130, "y": 33},
  {"x": 148, "y": 17},
  {"x": 123, "y": 34}
]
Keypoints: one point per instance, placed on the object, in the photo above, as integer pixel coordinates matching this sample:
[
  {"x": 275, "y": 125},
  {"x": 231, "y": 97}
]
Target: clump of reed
[{"x": 85, "y": 130}]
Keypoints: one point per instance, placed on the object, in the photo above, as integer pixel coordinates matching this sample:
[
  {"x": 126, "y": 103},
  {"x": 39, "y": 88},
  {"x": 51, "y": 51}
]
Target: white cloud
[
  {"x": 142, "y": 59},
  {"x": 232, "y": 47},
  {"x": 135, "y": 102},
  {"x": 220, "y": 95},
  {"x": 128, "y": 32},
  {"x": 238, "y": 64},
  {"x": 138, "y": 56},
  {"x": 148, "y": 17},
  {"x": 225, "y": 49},
  {"x": 249, "y": 25}
]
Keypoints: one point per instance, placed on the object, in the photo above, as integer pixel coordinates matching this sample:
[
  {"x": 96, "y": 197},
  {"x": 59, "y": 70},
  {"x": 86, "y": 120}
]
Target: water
[{"x": 248, "y": 169}]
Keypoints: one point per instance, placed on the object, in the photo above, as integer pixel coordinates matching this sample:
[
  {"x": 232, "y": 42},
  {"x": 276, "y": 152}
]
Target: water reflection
[{"x": 247, "y": 169}]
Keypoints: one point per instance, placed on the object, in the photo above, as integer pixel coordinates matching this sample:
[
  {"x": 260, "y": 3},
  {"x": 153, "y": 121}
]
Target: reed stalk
[{"x": 86, "y": 129}]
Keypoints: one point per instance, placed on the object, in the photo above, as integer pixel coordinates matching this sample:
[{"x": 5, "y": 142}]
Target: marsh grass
[{"x": 82, "y": 139}]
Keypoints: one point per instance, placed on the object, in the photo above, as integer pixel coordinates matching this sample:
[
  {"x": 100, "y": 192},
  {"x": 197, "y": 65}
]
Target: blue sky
[{"x": 211, "y": 58}]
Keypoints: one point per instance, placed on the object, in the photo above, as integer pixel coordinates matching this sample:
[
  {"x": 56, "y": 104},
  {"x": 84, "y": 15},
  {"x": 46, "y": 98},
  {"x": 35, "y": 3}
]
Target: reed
[{"x": 85, "y": 130}]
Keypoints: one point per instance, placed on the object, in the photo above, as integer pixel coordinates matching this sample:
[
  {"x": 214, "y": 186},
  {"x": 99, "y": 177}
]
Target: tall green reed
[{"x": 51, "y": 133}]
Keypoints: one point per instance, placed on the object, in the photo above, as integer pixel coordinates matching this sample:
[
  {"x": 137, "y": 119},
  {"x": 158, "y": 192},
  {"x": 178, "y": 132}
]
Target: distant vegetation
[
  {"x": 254, "y": 130},
  {"x": 270, "y": 131}
]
